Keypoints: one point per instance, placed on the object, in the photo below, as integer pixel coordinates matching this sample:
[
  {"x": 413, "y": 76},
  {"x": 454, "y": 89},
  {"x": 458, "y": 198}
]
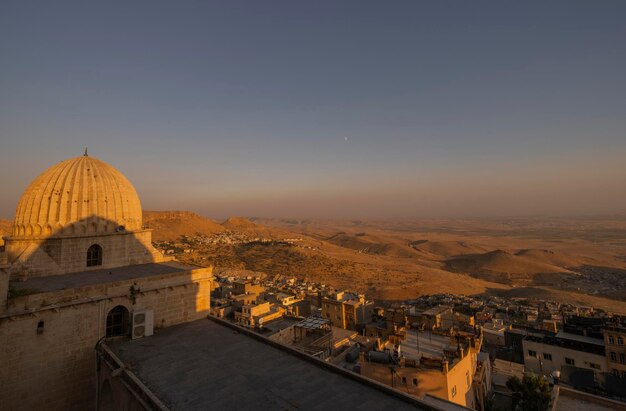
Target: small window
[
  {"x": 570, "y": 361},
  {"x": 415, "y": 382},
  {"x": 532, "y": 353},
  {"x": 611, "y": 339},
  {"x": 620, "y": 341},
  {"x": 613, "y": 356},
  {"x": 622, "y": 358},
  {"x": 403, "y": 380},
  {"x": 94, "y": 256},
  {"x": 454, "y": 391},
  {"x": 547, "y": 357},
  {"x": 624, "y": 375}
]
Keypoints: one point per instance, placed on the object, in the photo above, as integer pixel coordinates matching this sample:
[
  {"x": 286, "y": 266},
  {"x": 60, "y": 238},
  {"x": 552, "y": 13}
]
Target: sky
[{"x": 326, "y": 109}]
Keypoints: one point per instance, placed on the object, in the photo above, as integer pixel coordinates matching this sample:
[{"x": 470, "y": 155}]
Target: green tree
[{"x": 531, "y": 393}]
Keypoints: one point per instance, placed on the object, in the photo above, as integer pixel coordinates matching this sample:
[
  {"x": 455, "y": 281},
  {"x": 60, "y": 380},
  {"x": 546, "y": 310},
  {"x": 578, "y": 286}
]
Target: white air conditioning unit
[{"x": 143, "y": 324}]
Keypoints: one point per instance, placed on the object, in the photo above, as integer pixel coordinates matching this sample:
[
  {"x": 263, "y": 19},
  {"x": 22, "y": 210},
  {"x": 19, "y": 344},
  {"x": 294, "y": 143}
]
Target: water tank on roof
[
  {"x": 379, "y": 357},
  {"x": 353, "y": 353}
]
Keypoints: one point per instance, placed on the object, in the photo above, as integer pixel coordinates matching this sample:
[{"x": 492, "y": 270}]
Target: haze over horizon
[{"x": 325, "y": 109}]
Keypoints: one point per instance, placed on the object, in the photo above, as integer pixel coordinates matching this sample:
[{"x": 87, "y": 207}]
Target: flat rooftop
[
  {"x": 430, "y": 345},
  {"x": 580, "y": 338},
  {"x": 205, "y": 364},
  {"x": 572, "y": 400},
  {"x": 93, "y": 277}
]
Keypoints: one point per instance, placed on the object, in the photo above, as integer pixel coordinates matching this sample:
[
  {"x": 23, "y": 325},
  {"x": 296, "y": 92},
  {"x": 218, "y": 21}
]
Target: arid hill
[
  {"x": 501, "y": 266},
  {"x": 240, "y": 224},
  {"x": 170, "y": 225},
  {"x": 401, "y": 260},
  {"x": 363, "y": 243},
  {"x": 560, "y": 259},
  {"x": 447, "y": 248}
]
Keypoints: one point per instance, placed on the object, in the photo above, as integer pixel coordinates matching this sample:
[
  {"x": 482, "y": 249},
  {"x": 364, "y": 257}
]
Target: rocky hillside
[{"x": 170, "y": 225}]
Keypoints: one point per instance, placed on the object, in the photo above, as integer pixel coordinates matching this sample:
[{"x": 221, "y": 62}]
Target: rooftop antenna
[{"x": 86, "y": 152}]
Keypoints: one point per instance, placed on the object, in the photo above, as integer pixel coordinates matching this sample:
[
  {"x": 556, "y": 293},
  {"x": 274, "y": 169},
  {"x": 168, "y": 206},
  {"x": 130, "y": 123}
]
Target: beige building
[
  {"x": 255, "y": 315},
  {"x": 247, "y": 287},
  {"x": 615, "y": 342},
  {"x": 437, "y": 365},
  {"x": 347, "y": 310},
  {"x": 546, "y": 354},
  {"x": 79, "y": 267}
]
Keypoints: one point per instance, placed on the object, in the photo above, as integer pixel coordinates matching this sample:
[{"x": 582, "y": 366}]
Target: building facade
[
  {"x": 347, "y": 310},
  {"x": 615, "y": 342}
]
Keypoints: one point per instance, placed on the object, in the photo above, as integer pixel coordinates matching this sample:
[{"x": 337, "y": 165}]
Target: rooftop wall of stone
[{"x": 49, "y": 293}]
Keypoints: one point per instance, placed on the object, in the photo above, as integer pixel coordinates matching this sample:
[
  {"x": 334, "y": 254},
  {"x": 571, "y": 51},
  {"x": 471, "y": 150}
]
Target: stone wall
[
  {"x": 51, "y": 365},
  {"x": 62, "y": 255}
]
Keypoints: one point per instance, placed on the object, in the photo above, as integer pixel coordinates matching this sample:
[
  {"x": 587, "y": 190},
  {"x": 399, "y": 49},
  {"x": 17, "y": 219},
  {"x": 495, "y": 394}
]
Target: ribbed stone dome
[{"x": 79, "y": 196}]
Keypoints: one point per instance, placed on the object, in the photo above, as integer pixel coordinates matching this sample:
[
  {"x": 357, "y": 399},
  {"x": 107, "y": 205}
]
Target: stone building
[
  {"x": 79, "y": 267},
  {"x": 549, "y": 353},
  {"x": 347, "y": 310},
  {"x": 615, "y": 342},
  {"x": 436, "y": 364}
]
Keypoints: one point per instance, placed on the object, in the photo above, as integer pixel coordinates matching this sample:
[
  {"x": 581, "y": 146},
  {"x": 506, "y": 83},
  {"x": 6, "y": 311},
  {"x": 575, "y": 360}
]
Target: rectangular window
[
  {"x": 594, "y": 366},
  {"x": 570, "y": 361},
  {"x": 547, "y": 357},
  {"x": 415, "y": 381},
  {"x": 622, "y": 358},
  {"x": 532, "y": 353},
  {"x": 403, "y": 380},
  {"x": 620, "y": 341},
  {"x": 454, "y": 391},
  {"x": 613, "y": 356},
  {"x": 611, "y": 339}
]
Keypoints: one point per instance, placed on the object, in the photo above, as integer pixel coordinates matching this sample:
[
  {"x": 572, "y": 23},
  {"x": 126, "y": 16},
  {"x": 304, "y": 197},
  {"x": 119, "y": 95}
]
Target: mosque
[
  {"x": 78, "y": 267},
  {"x": 82, "y": 291}
]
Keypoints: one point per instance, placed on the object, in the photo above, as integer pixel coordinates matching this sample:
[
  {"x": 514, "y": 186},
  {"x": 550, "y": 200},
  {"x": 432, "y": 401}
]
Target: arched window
[
  {"x": 94, "y": 255},
  {"x": 117, "y": 322}
]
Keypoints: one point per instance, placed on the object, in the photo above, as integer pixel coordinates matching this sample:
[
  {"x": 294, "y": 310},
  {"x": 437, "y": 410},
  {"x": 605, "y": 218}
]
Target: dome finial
[{"x": 86, "y": 152}]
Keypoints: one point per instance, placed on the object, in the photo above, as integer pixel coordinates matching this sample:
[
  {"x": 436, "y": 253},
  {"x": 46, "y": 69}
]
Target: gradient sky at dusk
[{"x": 349, "y": 109}]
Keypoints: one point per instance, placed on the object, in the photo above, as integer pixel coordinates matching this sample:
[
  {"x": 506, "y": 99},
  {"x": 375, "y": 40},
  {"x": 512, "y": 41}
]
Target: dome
[{"x": 81, "y": 195}]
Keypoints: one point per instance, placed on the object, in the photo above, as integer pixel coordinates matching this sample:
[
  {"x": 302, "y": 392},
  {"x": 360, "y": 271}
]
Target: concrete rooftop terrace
[
  {"x": 93, "y": 277},
  {"x": 207, "y": 364}
]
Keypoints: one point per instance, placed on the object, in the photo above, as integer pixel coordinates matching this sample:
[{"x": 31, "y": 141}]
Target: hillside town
[{"x": 462, "y": 349}]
